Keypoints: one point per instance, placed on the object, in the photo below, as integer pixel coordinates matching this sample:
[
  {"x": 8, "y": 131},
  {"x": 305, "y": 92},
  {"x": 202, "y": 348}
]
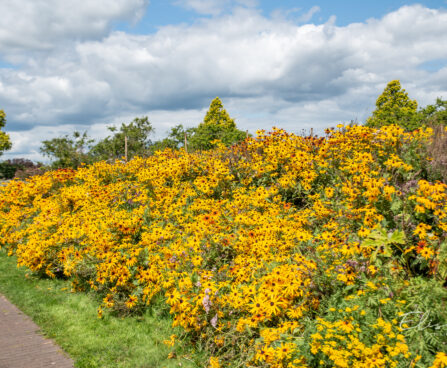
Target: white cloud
[
  {"x": 310, "y": 13},
  {"x": 295, "y": 14},
  {"x": 268, "y": 71},
  {"x": 40, "y": 24}
]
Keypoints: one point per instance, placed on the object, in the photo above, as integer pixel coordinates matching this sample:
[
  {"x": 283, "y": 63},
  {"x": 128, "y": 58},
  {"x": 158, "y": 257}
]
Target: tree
[
  {"x": 5, "y": 142},
  {"x": 138, "y": 142},
  {"x": 394, "y": 106},
  {"x": 217, "y": 124},
  {"x": 217, "y": 115},
  {"x": 68, "y": 151},
  {"x": 434, "y": 114},
  {"x": 71, "y": 151},
  {"x": 174, "y": 140}
]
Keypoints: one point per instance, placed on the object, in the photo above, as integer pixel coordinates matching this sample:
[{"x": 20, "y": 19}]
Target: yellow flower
[
  {"x": 214, "y": 362},
  {"x": 235, "y": 238},
  {"x": 440, "y": 360},
  {"x": 171, "y": 341}
]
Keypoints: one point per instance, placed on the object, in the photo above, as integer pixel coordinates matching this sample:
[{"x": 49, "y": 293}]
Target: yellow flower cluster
[
  {"x": 340, "y": 342},
  {"x": 440, "y": 361},
  {"x": 233, "y": 238}
]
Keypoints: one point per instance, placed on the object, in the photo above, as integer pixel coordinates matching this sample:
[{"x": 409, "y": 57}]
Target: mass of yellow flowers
[{"x": 259, "y": 250}]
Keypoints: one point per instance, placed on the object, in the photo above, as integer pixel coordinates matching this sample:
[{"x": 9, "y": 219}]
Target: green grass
[{"x": 71, "y": 320}]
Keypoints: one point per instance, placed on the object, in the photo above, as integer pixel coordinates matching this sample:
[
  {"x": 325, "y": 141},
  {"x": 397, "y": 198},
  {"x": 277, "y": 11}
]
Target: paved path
[{"x": 20, "y": 344}]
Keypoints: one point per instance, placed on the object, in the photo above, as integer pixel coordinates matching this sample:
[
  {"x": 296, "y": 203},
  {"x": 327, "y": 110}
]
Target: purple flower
[
  {"x": 214, "y": 321},
  {"x": 206, "y": 302}
]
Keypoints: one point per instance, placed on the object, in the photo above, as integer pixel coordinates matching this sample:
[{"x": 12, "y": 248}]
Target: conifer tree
[
  {"x": 394, "y": 106},
  {"x": 217, "y": 125},
  {"x": 217, "y": 115}
]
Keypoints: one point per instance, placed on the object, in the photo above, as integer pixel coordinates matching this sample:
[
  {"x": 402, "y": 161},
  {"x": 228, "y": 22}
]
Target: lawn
[{"x": 71, "y": 319}]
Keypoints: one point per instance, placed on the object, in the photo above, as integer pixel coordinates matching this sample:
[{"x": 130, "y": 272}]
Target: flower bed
[{"x": 283, "y": 251}]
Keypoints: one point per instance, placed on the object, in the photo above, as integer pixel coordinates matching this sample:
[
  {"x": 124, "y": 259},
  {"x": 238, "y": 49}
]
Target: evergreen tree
[
  {"x": 394, "y": 106},
  {"x": 217, "y": 125},
  {"x": 217, "y": 115}
]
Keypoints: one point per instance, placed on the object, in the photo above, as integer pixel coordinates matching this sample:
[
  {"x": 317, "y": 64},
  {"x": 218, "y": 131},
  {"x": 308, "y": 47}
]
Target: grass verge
[{"x": 71, "y": 320}]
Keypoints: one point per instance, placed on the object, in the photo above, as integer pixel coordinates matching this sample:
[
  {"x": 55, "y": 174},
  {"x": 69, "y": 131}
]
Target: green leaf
[
  {"x": 397, "y": 237},
  {"x": 396, "y": 206}
]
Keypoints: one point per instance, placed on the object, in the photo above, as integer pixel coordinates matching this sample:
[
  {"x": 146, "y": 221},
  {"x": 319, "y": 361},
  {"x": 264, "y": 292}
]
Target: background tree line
[
  {"x": 393, "y": 106},
  {"x": 70, "y": 151}
]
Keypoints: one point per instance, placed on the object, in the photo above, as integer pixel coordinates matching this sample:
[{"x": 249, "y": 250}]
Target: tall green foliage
[
  {"x": 5, "y": 142},
  {"x": 217, "y": 125},
  {"x": 217, "y": 115},
  {"x": 138, "y": 142},
  {"x": 394, "y": 106},
  {"x": 174, "y": 140},
  {"x": 72, "y": 151},
  {"x": 435, "y": 114},
  {"x": 68, "y": 151}
]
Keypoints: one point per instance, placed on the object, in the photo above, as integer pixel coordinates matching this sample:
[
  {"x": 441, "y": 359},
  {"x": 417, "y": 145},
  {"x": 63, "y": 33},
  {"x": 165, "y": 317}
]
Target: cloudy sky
[{"x": 87, "y": 64}]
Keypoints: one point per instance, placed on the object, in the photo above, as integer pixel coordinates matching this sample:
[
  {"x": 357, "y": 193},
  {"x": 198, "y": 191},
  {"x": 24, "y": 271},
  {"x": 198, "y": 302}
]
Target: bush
[
  {"x": 7, "y": 170},
  {"x": 20, "y": 168},
  {"x": 282, "y": 251}
]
